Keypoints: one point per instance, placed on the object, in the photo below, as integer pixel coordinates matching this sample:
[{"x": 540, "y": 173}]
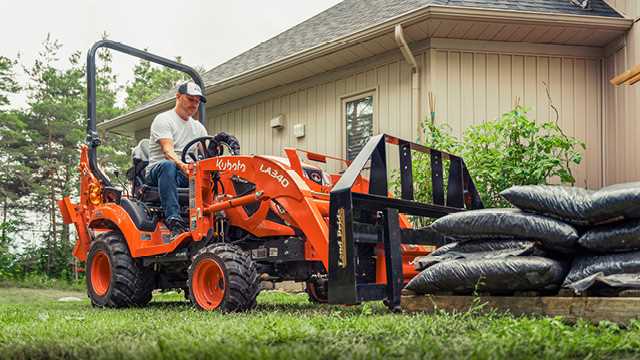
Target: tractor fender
[{"x": 120, "y": 220}]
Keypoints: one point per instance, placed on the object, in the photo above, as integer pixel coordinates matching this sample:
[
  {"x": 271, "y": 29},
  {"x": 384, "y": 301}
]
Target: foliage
[
  {"x": 7, "y": 261},
  {"x": 113, "y": 153},
  {"x": 8, "y": 83},
  {"x": 435, "y": 137},
  {"x": 39, "y": 281},
  {"x": 286, "y": 326},
  {"x": 14, "y": 146},
  {"x": 55, "y": 119},
  {"x": 15, "y": 151},
  {"x": 39, "y": 148},
  {"x": 149, "y": 82},
  {"x": 512, "y": 150}
]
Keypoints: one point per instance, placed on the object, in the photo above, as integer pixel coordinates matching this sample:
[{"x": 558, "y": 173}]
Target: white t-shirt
[{"x": 168, "y": 125}]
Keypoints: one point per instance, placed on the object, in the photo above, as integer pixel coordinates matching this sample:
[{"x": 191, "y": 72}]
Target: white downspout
[{"x": 415, "y": 79}]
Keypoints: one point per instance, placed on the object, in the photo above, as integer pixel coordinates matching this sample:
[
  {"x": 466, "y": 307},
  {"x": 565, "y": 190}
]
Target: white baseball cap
[{"x": 191, "y": 88}]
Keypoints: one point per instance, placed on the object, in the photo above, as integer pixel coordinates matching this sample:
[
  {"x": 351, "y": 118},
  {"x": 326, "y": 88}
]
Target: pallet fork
[{"x": 363, "y": 223}]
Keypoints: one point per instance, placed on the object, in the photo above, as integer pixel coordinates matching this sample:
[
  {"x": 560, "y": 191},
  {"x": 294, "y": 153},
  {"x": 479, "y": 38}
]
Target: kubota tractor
[{"x": 253, "y": 218}]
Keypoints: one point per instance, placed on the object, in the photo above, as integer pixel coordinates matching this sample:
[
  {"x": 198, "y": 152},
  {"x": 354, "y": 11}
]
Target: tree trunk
[
  {"x": 52, "y": 220},
  {"x": 4, "y": 218},
  {"x": 65, "y": 227}
]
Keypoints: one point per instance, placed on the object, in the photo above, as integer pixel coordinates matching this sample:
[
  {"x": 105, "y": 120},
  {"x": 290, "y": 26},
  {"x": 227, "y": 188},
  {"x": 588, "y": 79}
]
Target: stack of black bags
[{"x": 557, "y": 237}]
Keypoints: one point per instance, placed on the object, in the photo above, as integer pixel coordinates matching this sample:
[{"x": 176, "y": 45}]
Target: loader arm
[{"x": 275, "y": 186}]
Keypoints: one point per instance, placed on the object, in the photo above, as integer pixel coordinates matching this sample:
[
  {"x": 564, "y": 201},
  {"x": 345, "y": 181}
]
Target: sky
[{"x": 204, "y": 33}]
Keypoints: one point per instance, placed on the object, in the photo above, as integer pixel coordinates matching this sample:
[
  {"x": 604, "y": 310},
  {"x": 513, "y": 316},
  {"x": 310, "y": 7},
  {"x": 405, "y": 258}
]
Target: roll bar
[{"x": 93, "y": 139}]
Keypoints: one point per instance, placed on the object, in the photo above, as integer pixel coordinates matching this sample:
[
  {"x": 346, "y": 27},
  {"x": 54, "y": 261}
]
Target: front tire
[
  {"x": 223, "y": 277},
  {"x": 317, "y": 291},
  {"x": 114, "y": 278}
]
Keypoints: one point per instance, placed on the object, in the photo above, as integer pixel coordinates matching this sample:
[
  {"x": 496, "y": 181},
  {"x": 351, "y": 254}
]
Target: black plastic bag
[
  {"x": 585, "y": 266},
  {"x": 478, "y": 249},
  {"x": 570, "y": 204},
  {"x": 517, "y": 273},
  {"x": 601, "y": 282},
  {"x": 508, "y": 224},
  {"x": 621, "y": 201},
  {"x": 616, "y": 237},
  {"x": 578, "y": 206}
]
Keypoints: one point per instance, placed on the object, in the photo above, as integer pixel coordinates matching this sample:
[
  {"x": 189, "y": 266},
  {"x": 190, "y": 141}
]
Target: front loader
[{"x": 254, "y": 218}]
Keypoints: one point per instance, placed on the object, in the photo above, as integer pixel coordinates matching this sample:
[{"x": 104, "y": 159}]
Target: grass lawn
[{"x": 34, "y": 324}]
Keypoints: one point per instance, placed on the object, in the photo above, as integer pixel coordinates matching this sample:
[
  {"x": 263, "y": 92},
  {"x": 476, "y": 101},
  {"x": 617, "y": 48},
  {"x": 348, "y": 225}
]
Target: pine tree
[
  {"x": 14, "y": 183},
  {"x": 56, "y": 118},
  {"x": 39, "y": 146},
  {"x": 149, "y": 82},
  {"x": 8, "y": 83}
]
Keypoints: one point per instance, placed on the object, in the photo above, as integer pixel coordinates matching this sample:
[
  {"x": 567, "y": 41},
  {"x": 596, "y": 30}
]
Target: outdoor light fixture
[{"x": 277, "y": 122}]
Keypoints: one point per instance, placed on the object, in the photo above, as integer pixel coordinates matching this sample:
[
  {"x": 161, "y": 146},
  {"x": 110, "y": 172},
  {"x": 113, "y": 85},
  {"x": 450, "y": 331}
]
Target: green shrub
[
  {"x": 7, "y": 259},
  {"x": 40, "y": 281},
  {"x": 512, "y": 150}
]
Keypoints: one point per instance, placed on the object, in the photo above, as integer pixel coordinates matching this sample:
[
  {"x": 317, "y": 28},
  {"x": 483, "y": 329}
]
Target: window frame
[{"x": 344, "y": 99}]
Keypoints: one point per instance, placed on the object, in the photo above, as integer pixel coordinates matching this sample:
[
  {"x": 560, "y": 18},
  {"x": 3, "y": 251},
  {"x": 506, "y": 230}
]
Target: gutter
[
  {"x": 423, "y": 13},
  {"x": 415, "y": 78}
]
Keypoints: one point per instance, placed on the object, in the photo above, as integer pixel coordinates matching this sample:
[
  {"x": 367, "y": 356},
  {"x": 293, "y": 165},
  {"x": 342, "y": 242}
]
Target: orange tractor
[{"x": 254, "y": 218}]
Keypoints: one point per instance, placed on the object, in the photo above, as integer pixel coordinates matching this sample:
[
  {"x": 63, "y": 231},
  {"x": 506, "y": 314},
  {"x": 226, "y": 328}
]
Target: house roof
[{"x": 350, "y": 16}]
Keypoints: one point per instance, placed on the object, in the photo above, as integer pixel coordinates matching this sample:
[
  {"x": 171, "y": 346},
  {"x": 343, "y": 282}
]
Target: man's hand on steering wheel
[
  {"x": 184, "y": 167},
  {"x": 210, "y": 146}
]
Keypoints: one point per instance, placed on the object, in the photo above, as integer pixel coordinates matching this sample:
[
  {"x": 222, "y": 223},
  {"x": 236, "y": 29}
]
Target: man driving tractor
[{"x": 170, "y": 131}]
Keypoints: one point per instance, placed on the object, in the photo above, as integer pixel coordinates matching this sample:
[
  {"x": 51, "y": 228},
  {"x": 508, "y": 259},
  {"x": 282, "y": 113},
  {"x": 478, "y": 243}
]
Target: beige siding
[
  {"x": 319, "y": 108},
  {"x": 622, "y": 128},
  {"x": 470, "y": 87},
  {"x": 473, "y": 87}
]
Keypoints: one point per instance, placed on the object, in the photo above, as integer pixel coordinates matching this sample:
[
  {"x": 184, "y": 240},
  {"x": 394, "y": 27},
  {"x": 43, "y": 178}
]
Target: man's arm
[{"x": 167, "y": 149}]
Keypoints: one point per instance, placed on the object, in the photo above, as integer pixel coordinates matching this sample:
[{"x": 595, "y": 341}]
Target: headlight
[{"x": 95, "y": 194}]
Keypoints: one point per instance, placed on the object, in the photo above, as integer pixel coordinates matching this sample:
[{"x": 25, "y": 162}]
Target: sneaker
[{"x": 177, "y": 226}]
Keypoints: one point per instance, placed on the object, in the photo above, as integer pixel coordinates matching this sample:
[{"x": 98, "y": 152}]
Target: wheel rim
[
  {"x": 100, "y": 273},
  {"x": 313, "y": 291},
  {"x": 208, "y": 284}
]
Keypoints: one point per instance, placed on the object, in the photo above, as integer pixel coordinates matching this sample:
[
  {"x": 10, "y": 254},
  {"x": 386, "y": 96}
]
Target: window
[{"x": 359, "y": 123}]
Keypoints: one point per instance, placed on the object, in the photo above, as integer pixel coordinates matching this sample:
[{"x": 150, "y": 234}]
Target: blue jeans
[{"x": 168, "y": 178}]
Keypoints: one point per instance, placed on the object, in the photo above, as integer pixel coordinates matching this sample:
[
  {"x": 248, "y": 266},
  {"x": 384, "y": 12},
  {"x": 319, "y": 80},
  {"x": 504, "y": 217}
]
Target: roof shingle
[{"x": 352, "y": 15}]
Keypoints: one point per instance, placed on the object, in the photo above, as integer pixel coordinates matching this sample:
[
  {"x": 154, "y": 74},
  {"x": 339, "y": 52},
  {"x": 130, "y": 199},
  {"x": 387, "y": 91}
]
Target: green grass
[{"x": 33, "y": 324}]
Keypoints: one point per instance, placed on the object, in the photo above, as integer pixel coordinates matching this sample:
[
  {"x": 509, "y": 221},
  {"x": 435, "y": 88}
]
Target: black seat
[
  {"x": 136, "y": 174},
  {"x": 140, "y": 214}
]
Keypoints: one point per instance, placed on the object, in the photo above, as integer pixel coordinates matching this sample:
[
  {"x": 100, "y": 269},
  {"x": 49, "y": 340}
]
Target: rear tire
[
  {"x": 223, "y": 277},
  {"x": 114, "y": 278}
]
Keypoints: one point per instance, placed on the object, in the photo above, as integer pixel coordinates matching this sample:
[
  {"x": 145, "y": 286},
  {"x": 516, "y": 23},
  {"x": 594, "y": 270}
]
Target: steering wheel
[
  {"x": 201, "y": 150},
  {"x": 210, "y": 146}
]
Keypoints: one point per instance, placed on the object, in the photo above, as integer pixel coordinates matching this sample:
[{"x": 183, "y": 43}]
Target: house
[{"x": 370, "y": 65}]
